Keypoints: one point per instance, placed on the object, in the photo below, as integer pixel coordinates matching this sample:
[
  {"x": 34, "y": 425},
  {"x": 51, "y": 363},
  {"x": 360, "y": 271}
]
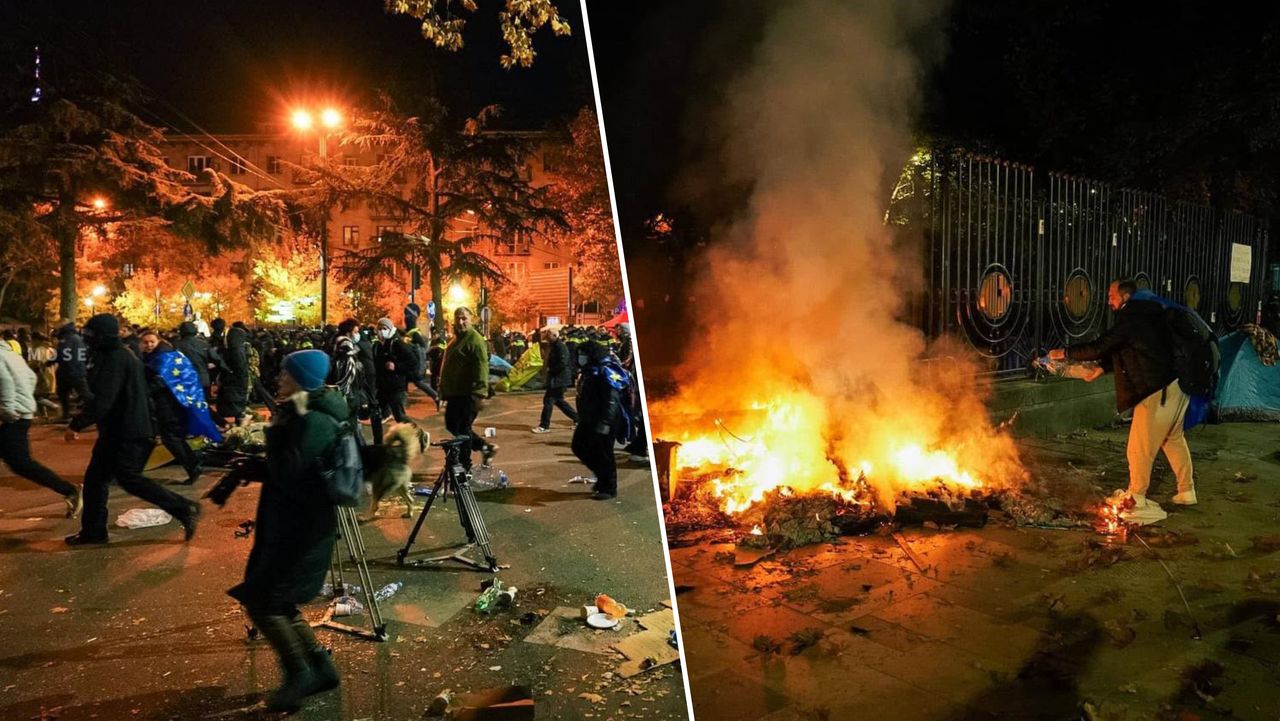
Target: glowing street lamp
[
  {"x": 303, "y": 120},
  {"x": 99, "y": 203},
  {"x": 99, "y": 291},
  {"x": 88, "y": 303}
]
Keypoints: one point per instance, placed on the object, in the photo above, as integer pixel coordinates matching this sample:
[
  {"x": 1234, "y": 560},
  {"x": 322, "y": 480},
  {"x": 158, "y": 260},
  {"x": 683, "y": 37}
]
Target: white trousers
[{"x": 1158, "y": 426}]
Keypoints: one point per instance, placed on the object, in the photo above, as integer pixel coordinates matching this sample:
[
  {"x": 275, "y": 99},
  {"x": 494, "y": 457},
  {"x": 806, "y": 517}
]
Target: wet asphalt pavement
[{"x": 142, "y": 628}]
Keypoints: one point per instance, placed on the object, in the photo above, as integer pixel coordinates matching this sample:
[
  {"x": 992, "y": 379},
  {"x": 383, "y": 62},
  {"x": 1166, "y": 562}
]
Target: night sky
[
  {"x": 1180, "y": 98},
  {"x": 231, "y": 63}
]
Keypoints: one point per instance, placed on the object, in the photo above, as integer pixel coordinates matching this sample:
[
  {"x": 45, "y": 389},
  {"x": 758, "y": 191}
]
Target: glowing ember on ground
[{"x": 1110, "y": 521}]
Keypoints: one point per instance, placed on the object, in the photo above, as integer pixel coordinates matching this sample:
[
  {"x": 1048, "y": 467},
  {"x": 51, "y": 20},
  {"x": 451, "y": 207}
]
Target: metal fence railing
[{"x": 1018, "y": 261}]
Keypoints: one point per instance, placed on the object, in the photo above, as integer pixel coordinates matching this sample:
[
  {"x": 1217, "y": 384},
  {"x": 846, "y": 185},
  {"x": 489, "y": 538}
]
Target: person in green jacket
[{"x": 464, "y": 383}]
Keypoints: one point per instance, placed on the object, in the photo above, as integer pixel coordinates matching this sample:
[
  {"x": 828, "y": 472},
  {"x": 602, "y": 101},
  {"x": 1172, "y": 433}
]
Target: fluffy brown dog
[{"x": 388, "y": 468}]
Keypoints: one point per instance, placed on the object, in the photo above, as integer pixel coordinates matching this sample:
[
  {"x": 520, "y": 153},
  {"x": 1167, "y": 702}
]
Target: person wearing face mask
[
  {"x": 347, "y": 372},
  {"x": 120, "y": 409},
  {"x": 464, "y": 383},
  {"x": 395, "y": 363}
]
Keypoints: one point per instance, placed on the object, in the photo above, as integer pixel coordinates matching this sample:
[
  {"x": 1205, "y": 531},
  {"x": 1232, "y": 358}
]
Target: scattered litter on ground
[
  {"x": 495, "y": 596},
  {"x": 346, "y": 606},
  {"x": 135, "y": 518},
  {"x": 386, "y": 592}
]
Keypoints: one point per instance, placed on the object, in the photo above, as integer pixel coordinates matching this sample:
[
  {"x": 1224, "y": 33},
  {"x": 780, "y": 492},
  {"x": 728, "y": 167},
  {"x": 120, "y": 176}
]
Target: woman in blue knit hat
[{"x": 296, "y": 528}]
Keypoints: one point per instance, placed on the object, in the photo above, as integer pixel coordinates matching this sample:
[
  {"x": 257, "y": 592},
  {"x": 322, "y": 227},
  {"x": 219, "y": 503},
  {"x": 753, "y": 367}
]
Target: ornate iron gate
[{"x": 1019, "y": 264}]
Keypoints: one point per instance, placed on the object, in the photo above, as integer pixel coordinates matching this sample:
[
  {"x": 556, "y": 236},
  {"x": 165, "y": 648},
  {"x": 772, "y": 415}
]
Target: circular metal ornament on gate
[
  {"x": 1235, "y": 297},
  {"x": 995, "y": 295},
  {"x": 1191, "y": 294},
  {"x": 1077, "y": 296}
]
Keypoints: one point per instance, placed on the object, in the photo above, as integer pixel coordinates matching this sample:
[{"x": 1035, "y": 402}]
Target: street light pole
[
  {"x": 324, "y": 244},
  {"x": 303, "y": 121}
]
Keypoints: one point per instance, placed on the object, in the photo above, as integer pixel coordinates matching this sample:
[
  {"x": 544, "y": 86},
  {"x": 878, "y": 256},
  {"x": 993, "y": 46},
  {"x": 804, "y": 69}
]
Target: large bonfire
[{"x": 805, "y": 381}]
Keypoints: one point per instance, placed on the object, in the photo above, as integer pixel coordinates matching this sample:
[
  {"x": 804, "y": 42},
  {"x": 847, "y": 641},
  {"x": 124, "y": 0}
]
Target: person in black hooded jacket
[
  {"x": 233, "y": 385},
  {"x": 121, "y": 410},
  {"x": 1138, "y": 350},
  {"x": 203, "y": 357},
  {"x": 599, "y": 412}
]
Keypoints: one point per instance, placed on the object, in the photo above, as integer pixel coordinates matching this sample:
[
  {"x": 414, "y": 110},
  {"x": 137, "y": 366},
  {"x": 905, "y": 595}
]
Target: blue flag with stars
[{"x": 180, "y": 377}]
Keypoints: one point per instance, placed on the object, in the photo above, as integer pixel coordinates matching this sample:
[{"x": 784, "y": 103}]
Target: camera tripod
[
  {"x": 454, "y": 478},
  {"x": 349, "y": 532}
]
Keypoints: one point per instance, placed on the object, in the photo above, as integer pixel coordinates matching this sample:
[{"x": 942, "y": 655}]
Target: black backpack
[
  {"x": 1195, "y": 351},
  {"x": 341, "y": 469}
]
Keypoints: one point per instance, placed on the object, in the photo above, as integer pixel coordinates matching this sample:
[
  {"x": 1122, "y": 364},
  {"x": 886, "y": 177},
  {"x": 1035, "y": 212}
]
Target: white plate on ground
[{"x": 602, "y": 620}]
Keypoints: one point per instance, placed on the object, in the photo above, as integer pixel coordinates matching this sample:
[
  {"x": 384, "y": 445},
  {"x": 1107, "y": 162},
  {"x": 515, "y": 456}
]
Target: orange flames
[{"x": 796, "y": 443}]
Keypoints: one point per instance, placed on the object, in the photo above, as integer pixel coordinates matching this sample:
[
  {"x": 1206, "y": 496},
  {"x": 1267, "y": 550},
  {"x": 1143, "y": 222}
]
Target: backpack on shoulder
[{"x": 341, "y": 469}]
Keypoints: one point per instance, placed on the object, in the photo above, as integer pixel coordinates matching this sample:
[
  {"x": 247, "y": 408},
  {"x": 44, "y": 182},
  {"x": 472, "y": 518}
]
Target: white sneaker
[
  {"x": 540, "y": 429},
  {"x": 638, "y": 459},
  {"x": 1144, "y": 512},
  {"x": 1187, "y": 498}
]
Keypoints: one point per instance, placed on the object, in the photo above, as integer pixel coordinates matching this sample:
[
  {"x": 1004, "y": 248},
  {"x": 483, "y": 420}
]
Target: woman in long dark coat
[{"x": 296, "y": 528}]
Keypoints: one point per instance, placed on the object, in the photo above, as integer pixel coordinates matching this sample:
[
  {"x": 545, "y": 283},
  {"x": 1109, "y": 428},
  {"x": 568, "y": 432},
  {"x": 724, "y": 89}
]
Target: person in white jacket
[{"x": 17, "y": 406}]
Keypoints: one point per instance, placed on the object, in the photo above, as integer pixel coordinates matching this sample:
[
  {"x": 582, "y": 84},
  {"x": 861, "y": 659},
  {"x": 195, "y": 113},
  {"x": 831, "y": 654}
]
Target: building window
[
  {"x": 551, "y": 265},
  {"x": 273, "y": 164},
  {"x": 552, "y": 158},
  {"x": 351, "y": 235},
  {"x": 349, "y": 161},
  {"x": 239, "y": 166},
  {"x": 514, "y": 270},
  {"x": 197, "y": 163},
  {"x": 384, "y": 230},
  {"x": 518, "y": 244}
]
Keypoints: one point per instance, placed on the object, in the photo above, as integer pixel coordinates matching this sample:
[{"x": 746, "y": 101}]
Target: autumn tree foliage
[
  {"x": 581, "y": 191},
  {"x": 520, "y": 21},
  {"x": 449, "y": 188},
  {"x": 79, "y": 158}
]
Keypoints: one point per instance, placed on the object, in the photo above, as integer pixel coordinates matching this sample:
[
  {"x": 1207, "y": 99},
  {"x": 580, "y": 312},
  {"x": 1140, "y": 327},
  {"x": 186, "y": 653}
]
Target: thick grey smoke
[{"x": 804, "y": 291}]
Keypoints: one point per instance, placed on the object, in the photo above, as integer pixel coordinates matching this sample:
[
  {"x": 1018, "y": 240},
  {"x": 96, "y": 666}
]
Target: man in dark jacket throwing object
[
  {"x": 296, "y": 528},
  {"x": 559, "y": 377},
  {"x": 121, "y": 410},
  {"x": 1138, "y": 349}
]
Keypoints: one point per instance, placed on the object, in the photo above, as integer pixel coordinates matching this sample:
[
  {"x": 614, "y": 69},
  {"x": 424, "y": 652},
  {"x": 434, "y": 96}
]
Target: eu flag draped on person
[
  {"x": 180, "y": 378},
  {"x": 618, "y": 378}
]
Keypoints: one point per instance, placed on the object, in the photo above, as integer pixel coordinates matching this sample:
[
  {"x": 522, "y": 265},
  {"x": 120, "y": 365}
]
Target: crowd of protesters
[{"x": 137, "y": 385}]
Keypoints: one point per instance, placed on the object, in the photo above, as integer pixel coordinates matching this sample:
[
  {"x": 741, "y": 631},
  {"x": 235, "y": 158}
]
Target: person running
[
  {"x": 167, "y": 411},
  {"x": 296, "y": 528},
  {"x": 559, "y": 377},
  {"x": 17, "y": 408},
  {"x": 126, "y": 435}
]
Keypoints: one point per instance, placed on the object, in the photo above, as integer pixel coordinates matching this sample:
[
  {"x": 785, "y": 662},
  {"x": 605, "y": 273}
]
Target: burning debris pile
[
  {"x": 787, "y": 483},
  {"x": 808, "y": 404}
]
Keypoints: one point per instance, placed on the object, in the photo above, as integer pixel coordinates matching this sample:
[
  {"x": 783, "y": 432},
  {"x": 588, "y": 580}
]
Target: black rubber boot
[
  {"x": 326, "y": 674},
  {"x": 299, "y": 680}
]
